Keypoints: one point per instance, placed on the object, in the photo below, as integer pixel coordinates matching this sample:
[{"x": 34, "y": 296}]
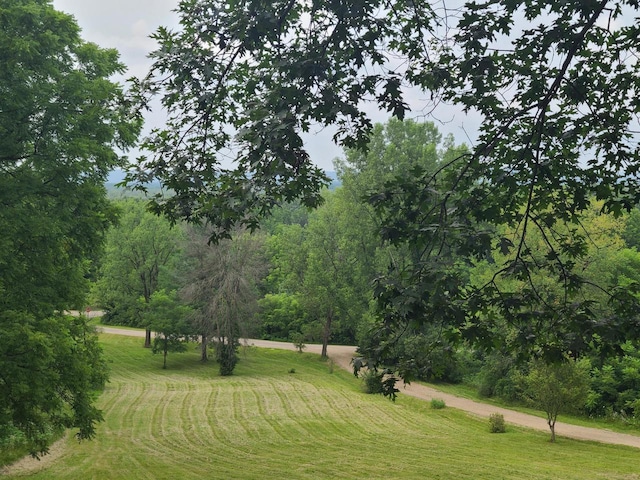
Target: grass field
[{"x": 266, "y": 422}]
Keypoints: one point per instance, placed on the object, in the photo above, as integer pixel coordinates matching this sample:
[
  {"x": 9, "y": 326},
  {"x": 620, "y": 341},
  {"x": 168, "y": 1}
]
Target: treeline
[{"x": 318, "y": 276}]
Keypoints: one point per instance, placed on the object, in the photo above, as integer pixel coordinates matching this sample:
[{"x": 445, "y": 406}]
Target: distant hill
[
  {"x": 118, "y": 175},
  {"x": 115, "y": 177}
]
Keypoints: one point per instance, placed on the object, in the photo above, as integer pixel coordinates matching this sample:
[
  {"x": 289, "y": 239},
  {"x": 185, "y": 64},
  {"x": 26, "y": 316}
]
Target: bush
[
  {"x": 496, "y": 423},
  {"x": 501, "y": 377},
  {"x": 437, "y": 403},
  {"x": 372, "y": 382},
  {"x": 226, "y": 355},
  {"x": 126, "y": 315},
  {"x": 615, "y": 386}
]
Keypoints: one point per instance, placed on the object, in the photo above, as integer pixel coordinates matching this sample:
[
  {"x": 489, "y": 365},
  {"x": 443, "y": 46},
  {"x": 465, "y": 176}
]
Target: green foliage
[
  {"x": 291, "y": 213},
  {"x": 140, "y": 253},
  {"x": 496, "y": 423},
  {"x": 631, "y": 231},
  {"x": 398, "y": 151},
  {"x": 50, "y": 370},
  {"x": 394, "y": 150},
  {"x": 615, "y": 386},
  {"x": 62, "y": 124},
  {"x": 226, "y": 355},
  {"x": 547, "y": 146},
  {"x": 334, "y": 289},
  {"x": 556, "y": 388},
  {"x": 169, "y": 319},
  {"x": 282, "y": 316},
  {"x": 318, "y": 274},
  {"x": 378, "y": 382},
  {"x": 501, "y": 376},
  {"x": 558, "y": 101},
  {"x": 330, "y": 264},
  {"x": 220, "y": 281},
  {"x": 298, "y": 341},
  {"x": 427, "y": 356},
  {"x": 437, "y": 403},
  {"x": 288, "y": 254},
  {"x": 372, "y": 382}
]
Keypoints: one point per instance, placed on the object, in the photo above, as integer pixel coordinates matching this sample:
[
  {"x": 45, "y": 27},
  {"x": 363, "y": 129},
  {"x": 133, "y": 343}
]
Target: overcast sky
[{"x": 127, "y": 24}]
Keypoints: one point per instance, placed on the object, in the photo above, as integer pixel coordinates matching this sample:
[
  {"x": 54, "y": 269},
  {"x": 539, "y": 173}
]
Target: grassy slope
[{"x": 186, "y": 422}]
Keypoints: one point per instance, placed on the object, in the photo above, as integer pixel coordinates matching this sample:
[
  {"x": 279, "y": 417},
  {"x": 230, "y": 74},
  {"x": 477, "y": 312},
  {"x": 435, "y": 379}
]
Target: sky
[{"x": 126, "y": 25}]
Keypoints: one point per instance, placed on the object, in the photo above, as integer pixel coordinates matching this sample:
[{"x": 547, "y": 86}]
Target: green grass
[{"x": 264, "y": 422}]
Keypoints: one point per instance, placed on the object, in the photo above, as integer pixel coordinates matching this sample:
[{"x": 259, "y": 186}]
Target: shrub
[
  {"x": 615, "y": 386},
  {"x": 431, "y": 358},
  {"x": 437, "y": 403},
  {"x": 372, "y": 382},
  {"x": 227, "y": 357},
  {"x": 501, "y": 377},
  {"x": 331, "y": 365},
  {"x": 496, "y": 423}
]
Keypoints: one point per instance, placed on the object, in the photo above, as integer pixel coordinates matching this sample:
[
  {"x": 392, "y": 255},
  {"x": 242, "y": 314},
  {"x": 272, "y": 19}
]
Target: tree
[
  {"x": 398, "y": 150},
  {"x": 61, "y": 124},
  {"x": 394, "y": 150},
  {"x": 546, "y": 147},
  {"x": 322, "y": 268},
  {"x": 557, "y": 388},
  {"x": 165, "y": 315},
  {"x": 552, "y": 83},
  {"x": 139, "y": 251},
  {"x": 282, "y": 315},
  {"x": 554, "y": 336},
  {"x": 288, "y": 252},
  {"x": 283, "y": 312},
  {"x": 632, "y": 229},
  {"x": 221, "y": 285},
  {"x": 334, "y": 287}
]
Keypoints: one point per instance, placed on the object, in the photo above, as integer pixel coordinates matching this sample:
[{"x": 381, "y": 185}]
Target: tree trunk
[
  {"x": 147, "y": 338},
  {"x": 326, "y": 334},
  {"x": 203, "y": 349},
  {"x": 552, "y": 427}
]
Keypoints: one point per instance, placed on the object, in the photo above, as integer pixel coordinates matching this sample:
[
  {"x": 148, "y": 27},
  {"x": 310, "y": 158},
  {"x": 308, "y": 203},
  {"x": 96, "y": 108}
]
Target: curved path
[{"x": 342, "y": 355}]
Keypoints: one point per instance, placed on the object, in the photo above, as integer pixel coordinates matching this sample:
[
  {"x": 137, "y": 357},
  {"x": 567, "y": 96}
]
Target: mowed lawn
[{"x": 267, "y": 421}]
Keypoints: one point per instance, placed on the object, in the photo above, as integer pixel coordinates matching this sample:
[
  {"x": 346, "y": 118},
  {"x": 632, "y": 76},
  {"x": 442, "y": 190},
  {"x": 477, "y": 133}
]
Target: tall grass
[{"x": 265, "y": 422}]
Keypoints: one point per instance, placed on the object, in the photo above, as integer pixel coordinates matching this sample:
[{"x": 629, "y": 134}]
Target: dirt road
[{"x": 342, "y": 356}]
